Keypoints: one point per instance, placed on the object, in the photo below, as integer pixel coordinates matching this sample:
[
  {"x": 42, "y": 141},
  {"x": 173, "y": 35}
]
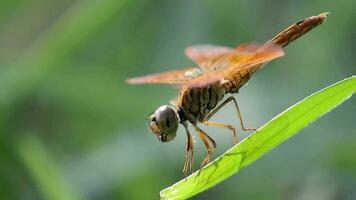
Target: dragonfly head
[{"x": 164, "y": 123}]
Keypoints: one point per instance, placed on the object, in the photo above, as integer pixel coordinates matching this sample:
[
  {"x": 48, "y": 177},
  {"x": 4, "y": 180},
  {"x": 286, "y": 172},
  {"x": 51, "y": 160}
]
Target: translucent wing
[
  {"x": 207, "y": 56},
  {"x": 259, "y": 56},
  {"x": 215, "y": 62},
  {"x": 170, "y": 77},
  {"x": 247, "y": 48},
  {"x": 204, "y": 55},
  {"x": 228, "y": 65}
]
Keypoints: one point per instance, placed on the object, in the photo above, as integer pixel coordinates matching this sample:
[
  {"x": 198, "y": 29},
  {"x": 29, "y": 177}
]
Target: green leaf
[{"x": 269, "y": 136}]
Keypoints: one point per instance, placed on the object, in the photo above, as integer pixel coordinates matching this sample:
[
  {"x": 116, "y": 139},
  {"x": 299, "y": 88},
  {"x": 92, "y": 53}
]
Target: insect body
[{"x": 222, "y": 71}]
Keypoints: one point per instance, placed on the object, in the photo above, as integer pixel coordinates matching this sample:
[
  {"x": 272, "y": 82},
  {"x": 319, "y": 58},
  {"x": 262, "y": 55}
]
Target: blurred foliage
[{"x": 69, "y": 124}]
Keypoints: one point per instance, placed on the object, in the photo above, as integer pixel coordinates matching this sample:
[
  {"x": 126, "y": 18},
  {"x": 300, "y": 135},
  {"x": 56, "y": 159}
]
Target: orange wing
[
  {"x": 214, "y": 62},
  {"x": 205, "y": 54},
  {"x": 230, "y": 64},
  {"x": 247, "y": 47},
  {"x": 170, "y": 77}
]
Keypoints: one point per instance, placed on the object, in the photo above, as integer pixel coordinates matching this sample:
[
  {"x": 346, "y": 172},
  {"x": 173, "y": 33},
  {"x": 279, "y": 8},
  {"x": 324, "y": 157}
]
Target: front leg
[
  {"x": 209, "y": 143},
  {"x": 189, "y": 153}
]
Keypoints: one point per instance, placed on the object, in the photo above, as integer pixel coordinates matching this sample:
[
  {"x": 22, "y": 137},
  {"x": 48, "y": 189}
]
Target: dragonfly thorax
[{"x": 195, "y": 103}]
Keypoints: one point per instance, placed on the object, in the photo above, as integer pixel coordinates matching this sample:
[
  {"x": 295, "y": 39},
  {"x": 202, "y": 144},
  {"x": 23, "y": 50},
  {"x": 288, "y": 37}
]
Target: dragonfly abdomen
[
  {"x": 298, "y": 29},
  {"x": 234, "y": 80},
  {"x": 197, "y": 102}
]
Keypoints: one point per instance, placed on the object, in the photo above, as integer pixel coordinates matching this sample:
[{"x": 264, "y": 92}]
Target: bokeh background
[{"x": 70, "y": 128}]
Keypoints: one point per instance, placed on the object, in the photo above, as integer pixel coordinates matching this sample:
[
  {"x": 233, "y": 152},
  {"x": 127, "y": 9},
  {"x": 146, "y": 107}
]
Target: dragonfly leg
[
  {"x": 231, "y": 98},
  {"x": 209, "y": 143},
  {"x": 221, "y": 125},
  {"x": 189, "y": 153}
]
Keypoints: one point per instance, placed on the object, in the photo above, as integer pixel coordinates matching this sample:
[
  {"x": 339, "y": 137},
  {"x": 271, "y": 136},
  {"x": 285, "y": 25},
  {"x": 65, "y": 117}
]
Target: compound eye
[{"x": 164, "y": 123}]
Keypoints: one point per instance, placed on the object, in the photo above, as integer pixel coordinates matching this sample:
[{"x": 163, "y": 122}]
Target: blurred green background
[{"x": 70, "y": 128}]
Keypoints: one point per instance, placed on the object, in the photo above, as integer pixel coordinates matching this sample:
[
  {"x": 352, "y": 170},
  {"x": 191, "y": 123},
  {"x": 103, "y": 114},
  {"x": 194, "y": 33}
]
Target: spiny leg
[
  {"x": 189, "y": 153},
  {"x": 221, "y": 125},
  {"x": 231, "y": 98},
  {"x": 209, "y": 143}
]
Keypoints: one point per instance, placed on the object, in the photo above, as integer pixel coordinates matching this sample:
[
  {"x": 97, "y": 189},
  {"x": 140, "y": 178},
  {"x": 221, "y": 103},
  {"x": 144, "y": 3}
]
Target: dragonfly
[{"x": 207, "y": 88}]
